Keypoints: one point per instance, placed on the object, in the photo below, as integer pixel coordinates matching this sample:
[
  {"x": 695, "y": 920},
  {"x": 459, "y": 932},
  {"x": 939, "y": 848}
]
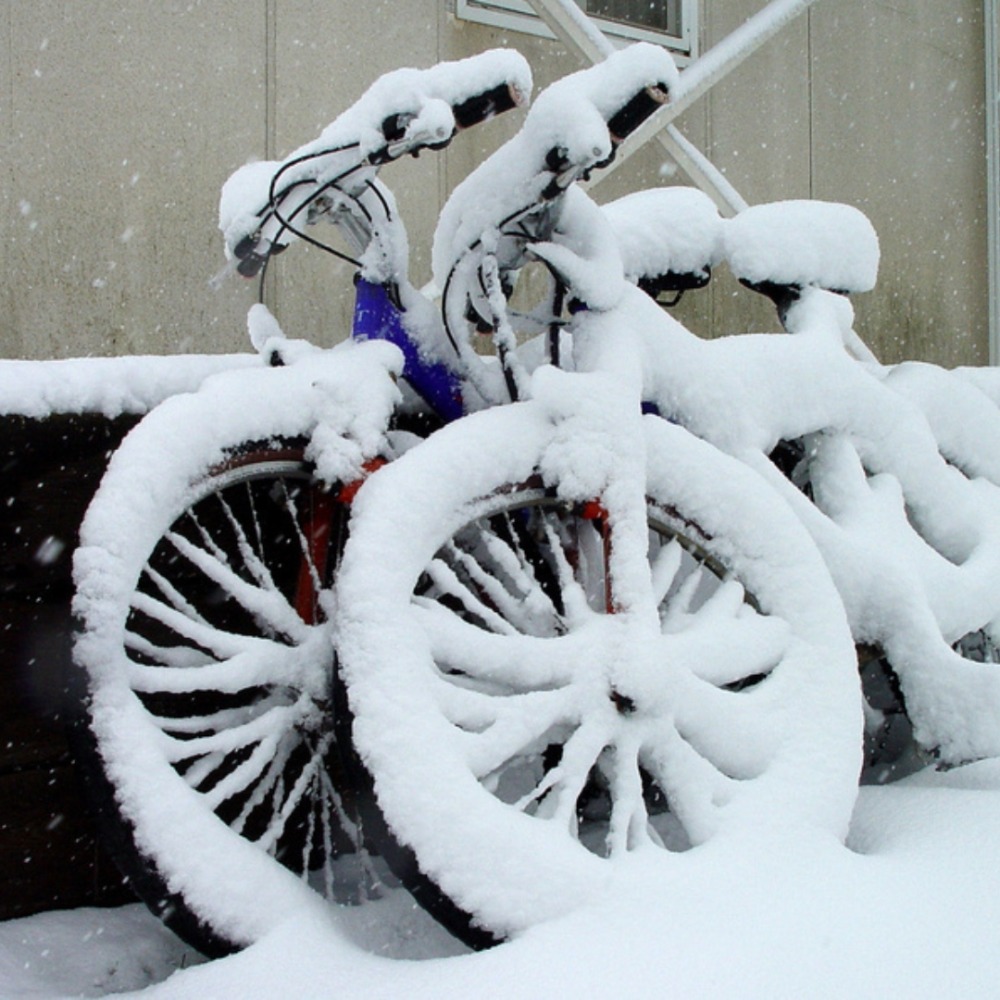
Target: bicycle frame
[{"x": 378, "y": 317}]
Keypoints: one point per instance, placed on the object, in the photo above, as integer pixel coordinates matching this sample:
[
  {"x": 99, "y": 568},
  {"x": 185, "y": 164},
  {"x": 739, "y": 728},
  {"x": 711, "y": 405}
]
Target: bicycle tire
[
  {"x": 920, "y": 661},
  {"x": 474, "y": 672},
  {"x": 233, "y": 592},
  {"x": 217, "y": 888}
]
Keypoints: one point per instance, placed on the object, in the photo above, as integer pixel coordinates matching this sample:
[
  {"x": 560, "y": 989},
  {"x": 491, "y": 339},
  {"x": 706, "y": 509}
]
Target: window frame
[
  {"x": 517, "y": 15},
  {"x": 991, "y": 19}
]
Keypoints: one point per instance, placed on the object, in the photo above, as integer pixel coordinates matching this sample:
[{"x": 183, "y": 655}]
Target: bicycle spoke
[
  {"x": 273, "y": 720},
  {"x": 263, "y": 664},
  {"x": 513, "y": 541},
  {"x": 516, "y": 662},
  {"x": 695, "y": 789},
  {"x": 578, "y": 756},
  {"x": 744, "y": 651},
  {"x": 248, "y": 553},
  {"x": 664, "y": 569},
  {"x": 507, "y": 551},
  {"x": 243, "y": 775},
  {"x": 174, "y": 597},
  {"x": 185, "y": 658},
  {"x": 447, "y": 584},
  {"x": 270, "y": 608},
  {"x": 295, "y": 796},
  {"x": 197, "y": 726},
  {"x": 628, "y": 825},
  {"x": 577, "y": 607},
  {"x": 677, "y": 606},
  {"x": 518, "y": 609},
  {"x": 306, "y": 548},
  {"x": 738, "y": 731},
  {"x": 514, "y": 724},
  {"x": 219, "y": 642},
  {"x": 265, "y": 788},
  {"x": 326, "y": 824},
  {"x": 200, "y": 770}
]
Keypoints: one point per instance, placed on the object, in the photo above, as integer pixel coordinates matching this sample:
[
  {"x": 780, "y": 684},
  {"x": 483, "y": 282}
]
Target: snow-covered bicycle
[
  {"x": 501, "y": 655},
  {"x": 890, "y": 468}
]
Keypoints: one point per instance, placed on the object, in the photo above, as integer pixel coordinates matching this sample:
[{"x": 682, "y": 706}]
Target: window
[{"x": 668, "y": 22}]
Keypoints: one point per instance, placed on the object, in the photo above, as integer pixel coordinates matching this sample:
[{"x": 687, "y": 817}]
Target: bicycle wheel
[
  {"x": 519, "y": 729},
  {"x": 209, "y": 745},
  {"x": 925, "y": 622}
]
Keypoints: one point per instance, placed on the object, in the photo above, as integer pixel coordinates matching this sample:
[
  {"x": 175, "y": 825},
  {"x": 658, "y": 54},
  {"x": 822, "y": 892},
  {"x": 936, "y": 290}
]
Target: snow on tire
[
  {"x": 520, "y": 732},
  {"x": 202, "y": 596}
]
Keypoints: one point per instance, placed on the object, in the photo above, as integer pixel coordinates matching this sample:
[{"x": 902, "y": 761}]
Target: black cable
[
  {"x": 315, "y": 155},
  {"x": 274, "y": 199},
  {"x": 472, "y": 246},
  {"x": 381, "y": 197},
  {"x": 555, "y": 327},
  {"x": 332, "y": 184},
  {"x": 444, "y": 303},
  {"x": 286, "y": 224}
]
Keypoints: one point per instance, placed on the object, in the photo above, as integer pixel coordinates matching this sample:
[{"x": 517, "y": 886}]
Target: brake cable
[{"x": 333, "y": 184}]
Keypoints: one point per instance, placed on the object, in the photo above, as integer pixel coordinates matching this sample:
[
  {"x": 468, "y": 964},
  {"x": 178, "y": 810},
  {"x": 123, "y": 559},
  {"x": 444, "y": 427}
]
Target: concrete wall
[{"x": 120, "y": 120}]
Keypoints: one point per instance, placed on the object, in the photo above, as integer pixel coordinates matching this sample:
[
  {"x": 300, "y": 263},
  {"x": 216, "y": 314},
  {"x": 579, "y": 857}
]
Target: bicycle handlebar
[
  {"x": 574, "y": 127},
  {"x": 483, "y": 106},
  {"x": 641, "y": 107},
  {"x": 513, "y": 201},
  {"x": 621, "y": 123},
  {"x": 403, "y": 112}
]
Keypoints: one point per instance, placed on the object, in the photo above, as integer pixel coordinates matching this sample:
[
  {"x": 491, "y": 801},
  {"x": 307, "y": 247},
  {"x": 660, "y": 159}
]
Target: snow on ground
[{"x": 910, "y": 910}]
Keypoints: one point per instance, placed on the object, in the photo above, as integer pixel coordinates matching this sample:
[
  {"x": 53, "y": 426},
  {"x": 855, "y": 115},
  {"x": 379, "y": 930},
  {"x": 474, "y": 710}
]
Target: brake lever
[{"x": 433, "y": 128}]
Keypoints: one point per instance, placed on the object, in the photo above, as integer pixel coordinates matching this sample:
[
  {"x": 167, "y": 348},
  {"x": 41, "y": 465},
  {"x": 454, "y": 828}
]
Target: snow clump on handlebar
[
  {"x": 439, "y": 101},
  {"x": 570, "y": 129}
]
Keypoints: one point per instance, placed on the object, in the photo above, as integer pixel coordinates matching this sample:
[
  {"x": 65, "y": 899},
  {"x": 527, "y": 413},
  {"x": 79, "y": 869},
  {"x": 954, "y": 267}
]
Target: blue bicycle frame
[{"x": 377, "y": 317}]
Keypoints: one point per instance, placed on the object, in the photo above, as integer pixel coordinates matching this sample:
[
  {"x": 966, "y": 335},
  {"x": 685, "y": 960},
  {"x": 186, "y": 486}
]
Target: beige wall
[
  {"x": 120, "y": 120},
  {"x": 880, "y": 105},
  {"x": 899, "y": 129}
]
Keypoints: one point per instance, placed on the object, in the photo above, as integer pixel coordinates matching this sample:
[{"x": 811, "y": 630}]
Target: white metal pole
[
  {"x": 572, "y": 26},
  {"x": 716, "y": 63}
]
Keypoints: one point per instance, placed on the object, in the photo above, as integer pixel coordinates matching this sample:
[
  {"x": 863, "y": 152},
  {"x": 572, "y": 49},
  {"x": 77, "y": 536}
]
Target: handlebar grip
[
  {"x": 642, "y": 106},
  {"x": 467, "y": 113},
  {"x": 481, "y": 107}
]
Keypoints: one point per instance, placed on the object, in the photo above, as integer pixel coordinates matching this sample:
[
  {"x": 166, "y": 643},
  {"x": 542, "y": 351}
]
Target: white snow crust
[
  {"x": 898, "y": 546},
  {"x": 663, "y": 230},
  {"x": 907, "y": 908},
  {"x": 110, "y": 386},
  {"x": 427, "y": 93},
  {"x": 804, "y": 243}
]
